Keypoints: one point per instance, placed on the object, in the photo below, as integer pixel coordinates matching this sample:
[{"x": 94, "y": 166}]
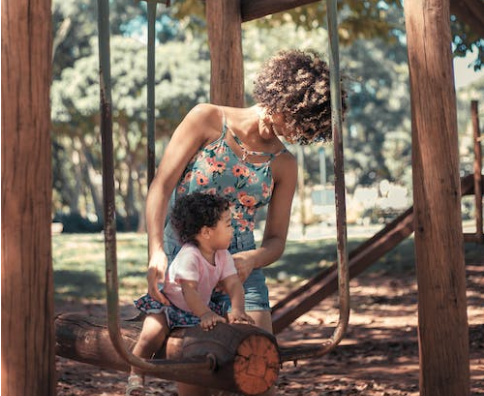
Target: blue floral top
[{"x": 216, "y": 169}]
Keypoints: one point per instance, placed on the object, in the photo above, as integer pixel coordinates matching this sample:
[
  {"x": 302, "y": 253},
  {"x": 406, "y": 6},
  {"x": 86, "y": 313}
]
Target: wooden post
[
  {"x": 28, "y": 365},
  {"x": 477, "y": 170},
  {"x": 224, "y": 25},
  {"x": 443, "y": 328}
]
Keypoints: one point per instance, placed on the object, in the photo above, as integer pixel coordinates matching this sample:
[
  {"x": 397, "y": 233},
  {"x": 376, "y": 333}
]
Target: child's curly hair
[
  {"x": 194, "y": 211},
  {"x": 296, "y": 84}
]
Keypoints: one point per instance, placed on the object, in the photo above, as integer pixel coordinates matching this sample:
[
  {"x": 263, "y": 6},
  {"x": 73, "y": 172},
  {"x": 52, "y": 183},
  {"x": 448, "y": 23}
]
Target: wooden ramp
[{"x": 325, "y": 283}]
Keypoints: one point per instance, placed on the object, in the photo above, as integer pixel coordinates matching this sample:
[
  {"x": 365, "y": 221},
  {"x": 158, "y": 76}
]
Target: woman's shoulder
[
  {"x": 205, "y": 118},
  {"x": 284, "y": 165},
  {"x": 206, "y": 112}
]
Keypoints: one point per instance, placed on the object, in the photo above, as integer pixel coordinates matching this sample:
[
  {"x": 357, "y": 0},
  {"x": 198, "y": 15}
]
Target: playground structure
[
  {"x": 75, "y": 341},
  {"x": 429, "y": 225}
]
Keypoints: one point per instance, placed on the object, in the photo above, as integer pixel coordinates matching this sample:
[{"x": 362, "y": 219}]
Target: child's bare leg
[
  {"x": 155, "y": 330},
  {"x": 191, "y": 390}
]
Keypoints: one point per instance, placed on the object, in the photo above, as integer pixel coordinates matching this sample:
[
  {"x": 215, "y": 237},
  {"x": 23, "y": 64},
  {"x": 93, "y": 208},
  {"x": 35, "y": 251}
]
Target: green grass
[{"x": 79, "y": 271}]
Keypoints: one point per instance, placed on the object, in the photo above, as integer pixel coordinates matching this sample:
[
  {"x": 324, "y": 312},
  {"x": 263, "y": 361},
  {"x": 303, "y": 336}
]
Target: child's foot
[{"x": 135, "y": 385}]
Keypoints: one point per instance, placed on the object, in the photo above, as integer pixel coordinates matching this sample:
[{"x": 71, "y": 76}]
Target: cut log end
[{"x": 256, "y": 365}]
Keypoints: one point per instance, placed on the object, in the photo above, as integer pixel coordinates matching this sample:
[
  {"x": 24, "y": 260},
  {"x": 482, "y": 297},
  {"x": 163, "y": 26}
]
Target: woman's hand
[
  {"x": 156, "y": 274},
  {"x": 240, "y": 317},
  {"x": 210, "y": 319},
  {"x": 244, "y": 265}
]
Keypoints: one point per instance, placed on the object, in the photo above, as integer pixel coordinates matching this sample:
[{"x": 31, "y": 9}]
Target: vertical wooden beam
[
  {"x": 27, "y": 280},
  {"x": 477, "y": 169},
  {"x": 224, "y": 24},
  {"x": 443, "y": 328}
]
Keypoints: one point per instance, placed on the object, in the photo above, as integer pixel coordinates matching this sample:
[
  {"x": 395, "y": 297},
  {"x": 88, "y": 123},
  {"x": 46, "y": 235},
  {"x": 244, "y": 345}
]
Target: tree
[
  {"x": 361, "y": 19},
  {"x": 27, "y": 280},
  {"x": 181, "y": 82}
]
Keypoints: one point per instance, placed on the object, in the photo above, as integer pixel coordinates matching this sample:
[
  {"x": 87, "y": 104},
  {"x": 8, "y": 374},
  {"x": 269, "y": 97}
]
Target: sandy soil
[{"x": 378, "y": 356}]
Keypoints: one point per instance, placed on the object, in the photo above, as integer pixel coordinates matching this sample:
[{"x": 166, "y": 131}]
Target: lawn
[{"x": 79, "y": 272}]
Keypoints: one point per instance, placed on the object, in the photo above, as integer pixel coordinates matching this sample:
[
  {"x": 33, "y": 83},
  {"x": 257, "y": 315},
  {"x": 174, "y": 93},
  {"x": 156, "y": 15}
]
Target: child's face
[{"x": 222, "y": 232}]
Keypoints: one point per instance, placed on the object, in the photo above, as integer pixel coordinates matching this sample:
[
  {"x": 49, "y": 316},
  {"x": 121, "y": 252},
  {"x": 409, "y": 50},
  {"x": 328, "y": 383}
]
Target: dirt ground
[{"x": 378, "y": 356}]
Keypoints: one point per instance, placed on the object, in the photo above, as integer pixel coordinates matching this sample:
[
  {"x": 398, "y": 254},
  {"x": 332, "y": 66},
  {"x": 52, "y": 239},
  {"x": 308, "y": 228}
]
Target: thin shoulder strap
[
  {"x": 224, "y": 125},
  {"x": 284, "y": 150}
]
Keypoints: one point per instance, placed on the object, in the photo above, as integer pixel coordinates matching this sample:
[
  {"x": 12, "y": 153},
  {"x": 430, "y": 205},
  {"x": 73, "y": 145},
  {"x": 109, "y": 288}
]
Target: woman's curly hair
[
  {"x": 194, "y": 211},
  {"x": 296, "y": 84}
]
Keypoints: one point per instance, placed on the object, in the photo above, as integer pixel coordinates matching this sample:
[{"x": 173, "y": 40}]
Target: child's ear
[{"x": 206, "y": 232}]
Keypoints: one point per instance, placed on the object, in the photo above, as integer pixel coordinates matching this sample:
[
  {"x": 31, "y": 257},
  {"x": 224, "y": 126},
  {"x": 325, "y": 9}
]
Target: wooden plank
[
  {"x": 470, "y": 12},
  {"x": 224, "y": 24},
  {"x": 254, "y": 9}
]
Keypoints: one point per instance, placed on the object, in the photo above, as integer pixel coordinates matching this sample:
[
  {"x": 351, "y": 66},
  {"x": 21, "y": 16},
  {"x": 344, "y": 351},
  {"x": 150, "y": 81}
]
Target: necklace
[{"x": 245, "y": 152}]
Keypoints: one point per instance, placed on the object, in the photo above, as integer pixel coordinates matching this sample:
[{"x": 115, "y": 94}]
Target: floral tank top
[{"x": 216, "y": 169}]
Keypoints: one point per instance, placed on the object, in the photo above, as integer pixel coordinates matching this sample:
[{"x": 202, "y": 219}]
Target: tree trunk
[
  {"x": 224, "y": 26},
  {"x": 27, "y": 282},
  {"x": 443, "y": 329}
]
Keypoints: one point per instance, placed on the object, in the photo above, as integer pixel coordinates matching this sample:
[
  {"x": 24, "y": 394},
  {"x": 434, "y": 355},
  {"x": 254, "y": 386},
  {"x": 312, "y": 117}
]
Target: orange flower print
[
  {"x": 243, "y": 224},
  {"x": 229, "y": 190},
  {"x": 237, "y": 215},
  {"x": 217, "y": 166},
  {"x": 180, "y": 190},
  {"x": 188, "y": 177},
  {"x": 240, "y": 171},
  {"x": 266, "y": 191},
  {"x": 211, "y": 191},
  {"x": 246, "y": 200},
  {"x": 202, "y": 180}
]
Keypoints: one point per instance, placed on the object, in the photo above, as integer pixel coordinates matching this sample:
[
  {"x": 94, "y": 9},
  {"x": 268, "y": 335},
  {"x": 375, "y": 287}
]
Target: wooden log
[
  {"x": 224, "y": 26},
  {"x": 247, "y": 358},
  {"x": 443, "y": 331}
]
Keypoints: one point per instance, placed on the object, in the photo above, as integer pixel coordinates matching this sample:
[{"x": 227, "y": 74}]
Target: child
[{"x": 203, "y": 223}]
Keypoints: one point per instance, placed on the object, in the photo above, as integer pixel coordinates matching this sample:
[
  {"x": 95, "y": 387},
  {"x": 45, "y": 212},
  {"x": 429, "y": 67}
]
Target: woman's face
[{"x": 279, "y": 127}]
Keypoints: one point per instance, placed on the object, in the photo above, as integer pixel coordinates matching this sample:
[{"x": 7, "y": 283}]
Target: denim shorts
[{"x": 256, "y": 291}]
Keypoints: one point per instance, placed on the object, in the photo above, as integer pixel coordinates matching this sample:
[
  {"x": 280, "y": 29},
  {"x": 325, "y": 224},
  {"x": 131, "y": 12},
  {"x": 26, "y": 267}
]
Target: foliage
[
  {"x": 377, "y": 126},
  {"x": 358, "y": 20}
]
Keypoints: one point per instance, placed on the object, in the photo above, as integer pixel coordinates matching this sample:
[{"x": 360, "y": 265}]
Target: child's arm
[
  {"x": 207, "y": 317},
  {"x": 235, "y": 290}
]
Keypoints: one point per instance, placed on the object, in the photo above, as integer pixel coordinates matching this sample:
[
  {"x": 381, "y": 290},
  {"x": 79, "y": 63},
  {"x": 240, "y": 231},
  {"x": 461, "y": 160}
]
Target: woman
[{"x": 238, "y": 153}]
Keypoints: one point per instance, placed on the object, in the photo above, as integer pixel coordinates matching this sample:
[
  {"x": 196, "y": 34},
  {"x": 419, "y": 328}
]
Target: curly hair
[
  {"x": 194, "y": 211},
  {"x": 296, "y": 84}
]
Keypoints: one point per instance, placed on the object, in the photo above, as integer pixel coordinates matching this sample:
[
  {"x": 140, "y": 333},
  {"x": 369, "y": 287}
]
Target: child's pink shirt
[{"x": 189, "y": 264}]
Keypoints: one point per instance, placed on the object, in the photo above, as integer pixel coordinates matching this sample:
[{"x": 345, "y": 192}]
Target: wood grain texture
[
  {"x": 27, "y": 281},
  {"x": 443, "y": 330},
  {"x": 224, "y": 26}
]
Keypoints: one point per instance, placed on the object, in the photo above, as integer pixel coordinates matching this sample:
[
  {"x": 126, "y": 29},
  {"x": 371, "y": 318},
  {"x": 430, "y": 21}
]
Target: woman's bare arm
[{"x": 199, "y": 127}]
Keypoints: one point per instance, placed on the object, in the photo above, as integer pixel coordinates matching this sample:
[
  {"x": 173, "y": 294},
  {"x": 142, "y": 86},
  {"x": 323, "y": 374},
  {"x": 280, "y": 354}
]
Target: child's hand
[
  {"x": 210, "y": 319},
  {"x": 240, "y": 317}
]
